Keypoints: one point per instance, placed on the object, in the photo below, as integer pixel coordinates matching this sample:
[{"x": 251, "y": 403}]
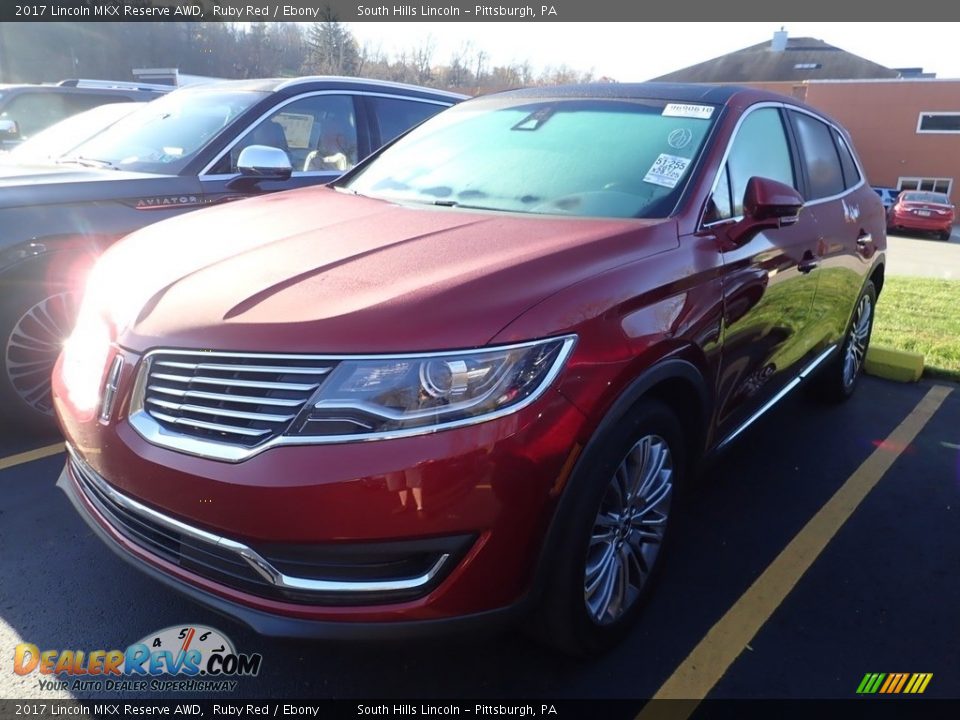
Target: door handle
[
  {"x": 808, "y": 263},
  {"x": 864, "y": 239}
]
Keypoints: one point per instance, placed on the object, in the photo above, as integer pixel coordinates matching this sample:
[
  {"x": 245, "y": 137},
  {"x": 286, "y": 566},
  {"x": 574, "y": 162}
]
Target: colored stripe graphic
[
  {"x": 894, "y": 683},
  {"x": 891, "y": 678}
]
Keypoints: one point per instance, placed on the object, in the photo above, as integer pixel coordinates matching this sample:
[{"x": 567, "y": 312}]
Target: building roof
[
  {"x": 801, "y": 59},
  {"x": 678, "y": 92}
]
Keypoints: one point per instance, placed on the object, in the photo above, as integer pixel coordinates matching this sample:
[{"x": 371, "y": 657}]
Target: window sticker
[
  {"x": 687, "y": 110},
  {"x": 666, "y": 170},
  {"x": 297, "y": 127}
]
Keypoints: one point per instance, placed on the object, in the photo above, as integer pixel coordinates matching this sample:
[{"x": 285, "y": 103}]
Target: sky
[{"x": 639, "y": 51}]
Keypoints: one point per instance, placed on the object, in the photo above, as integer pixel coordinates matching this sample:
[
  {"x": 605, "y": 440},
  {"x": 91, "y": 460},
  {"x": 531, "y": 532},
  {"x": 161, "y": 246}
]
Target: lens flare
[{"x": 85, "y": 356}]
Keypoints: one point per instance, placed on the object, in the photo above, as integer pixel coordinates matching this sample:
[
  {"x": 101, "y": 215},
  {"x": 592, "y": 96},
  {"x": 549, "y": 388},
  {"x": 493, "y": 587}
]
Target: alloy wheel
[
  {"x": 33, "y": 347},
  {"x": 628, "y": 530},
  {"x": 856, "y": 347}
]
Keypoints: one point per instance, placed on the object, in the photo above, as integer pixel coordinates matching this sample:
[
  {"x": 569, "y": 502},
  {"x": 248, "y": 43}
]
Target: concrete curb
[{"x": 899, "y": 365}]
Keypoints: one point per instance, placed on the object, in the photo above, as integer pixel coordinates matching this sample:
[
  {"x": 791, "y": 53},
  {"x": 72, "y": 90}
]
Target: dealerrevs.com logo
[{"x": 184, "y": 658}]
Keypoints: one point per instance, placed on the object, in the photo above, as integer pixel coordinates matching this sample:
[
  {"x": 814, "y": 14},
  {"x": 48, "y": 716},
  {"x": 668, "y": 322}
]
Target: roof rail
[{"x": 114, "y": 84}]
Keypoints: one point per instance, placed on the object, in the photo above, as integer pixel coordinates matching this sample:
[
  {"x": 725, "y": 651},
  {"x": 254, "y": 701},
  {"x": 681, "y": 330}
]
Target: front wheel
[
  {"x": 36, "y": 317},
  {"x": 840, "y": 376},
  {"x": 614, "y": 532}
]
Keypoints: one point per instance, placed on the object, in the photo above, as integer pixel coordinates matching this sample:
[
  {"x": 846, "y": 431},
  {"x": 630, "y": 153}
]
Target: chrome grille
[{"x": 239, "y": 398}]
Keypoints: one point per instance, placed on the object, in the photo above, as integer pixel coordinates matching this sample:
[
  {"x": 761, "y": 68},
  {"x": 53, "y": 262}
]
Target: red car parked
[
  {"x": 465, "y": 382},
  {"x": 922, "y": 211}
]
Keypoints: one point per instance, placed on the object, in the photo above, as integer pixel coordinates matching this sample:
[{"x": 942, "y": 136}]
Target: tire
[
  {"x": 841, "y": 375},
  {"x": 36, "y": 316},
  {"x": 586, "y": 606},
  {"x": 945, "y": 235}
]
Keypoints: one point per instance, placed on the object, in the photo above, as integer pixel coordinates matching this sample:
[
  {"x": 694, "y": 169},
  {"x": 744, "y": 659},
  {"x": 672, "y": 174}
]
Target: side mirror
[
  {"x": 9, "y": 130},
  {"x": 263, "y": 162},
  {"x": 767, "y": 204}
]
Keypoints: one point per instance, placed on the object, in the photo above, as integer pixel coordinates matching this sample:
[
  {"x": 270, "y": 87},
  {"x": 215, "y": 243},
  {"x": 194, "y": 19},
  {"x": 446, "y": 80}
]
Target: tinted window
[
  {"x": 558, "y": 156},
  {"x": 759, "y": 150},
  {"x": 820, "y": 156},
  {"x": 397, "y": 116},
  {"x": 164, "y": 135},
  {"x": 317, "y": 133},
  {"x": 85, "y": 101},
  {"x": 35, "y": 111},
  {"x": 720, "y": 206},
  {"x": 851, "y": 176},
  {"x": 925, "y": 197}
]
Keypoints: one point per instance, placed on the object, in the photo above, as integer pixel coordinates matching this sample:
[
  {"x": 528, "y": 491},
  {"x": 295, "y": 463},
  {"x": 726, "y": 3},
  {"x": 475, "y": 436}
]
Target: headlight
[
  {"x": 376, "y": 395},
  {"x": 85, "y": 355},
  {"x": 87, "y": 350}
]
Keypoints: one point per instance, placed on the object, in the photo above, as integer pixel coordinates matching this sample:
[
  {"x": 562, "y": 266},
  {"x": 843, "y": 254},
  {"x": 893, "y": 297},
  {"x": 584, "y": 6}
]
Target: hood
[
  {"x": 319, "y": 271},
  {"x": 31, "y": 185}
]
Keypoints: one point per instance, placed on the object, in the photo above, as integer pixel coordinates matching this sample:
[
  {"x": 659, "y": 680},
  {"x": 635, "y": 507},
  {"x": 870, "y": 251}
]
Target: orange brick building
[
  {"x": 907, "y": 131},
  {"x": 905, "y": 125}
]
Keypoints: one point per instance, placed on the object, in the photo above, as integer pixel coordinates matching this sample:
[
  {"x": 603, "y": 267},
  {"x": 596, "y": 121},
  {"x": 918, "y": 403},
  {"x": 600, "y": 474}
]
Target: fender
[
  {"x": 671, "y": 368},
  {"x": 45, "y": 248}
]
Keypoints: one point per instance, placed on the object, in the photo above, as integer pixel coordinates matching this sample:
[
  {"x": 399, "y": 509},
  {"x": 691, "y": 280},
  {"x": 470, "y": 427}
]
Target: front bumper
[
  {"x": 482, "y": 495},
  {"x": 274, "y": 625}
]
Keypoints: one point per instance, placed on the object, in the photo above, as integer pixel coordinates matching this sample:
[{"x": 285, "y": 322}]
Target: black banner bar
[
  {"x": 868, "y": 708},
  {"x": 462, "y": 11}
]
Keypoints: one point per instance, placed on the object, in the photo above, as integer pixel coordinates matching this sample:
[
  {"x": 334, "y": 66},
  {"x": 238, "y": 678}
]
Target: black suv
[
  {"x": 25, "y": 110},
  {"x": 180, "y": 152}
]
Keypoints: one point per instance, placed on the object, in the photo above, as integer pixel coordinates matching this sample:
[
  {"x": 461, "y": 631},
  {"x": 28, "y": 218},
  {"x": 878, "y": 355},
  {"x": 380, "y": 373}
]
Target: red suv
[{"x": 466, "y": 381}]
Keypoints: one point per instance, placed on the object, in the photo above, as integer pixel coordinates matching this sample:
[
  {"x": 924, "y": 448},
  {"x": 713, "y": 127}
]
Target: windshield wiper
[
  {"x": 85, "y": 162},
  {"x": 455, "y": 204}
]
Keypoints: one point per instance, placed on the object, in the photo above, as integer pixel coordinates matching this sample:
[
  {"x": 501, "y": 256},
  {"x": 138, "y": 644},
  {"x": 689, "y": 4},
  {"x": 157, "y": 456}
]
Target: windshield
[
  {"x": 63, "y": 136},
  {"x": 164, "y": 135},
  {"x": 928, "y": 197},
  {"x": 586, "y": 157}
]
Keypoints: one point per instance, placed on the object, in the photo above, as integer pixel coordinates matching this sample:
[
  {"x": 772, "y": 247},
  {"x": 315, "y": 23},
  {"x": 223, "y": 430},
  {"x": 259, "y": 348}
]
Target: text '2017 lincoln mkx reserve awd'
[{"x": 468, "y": 380}]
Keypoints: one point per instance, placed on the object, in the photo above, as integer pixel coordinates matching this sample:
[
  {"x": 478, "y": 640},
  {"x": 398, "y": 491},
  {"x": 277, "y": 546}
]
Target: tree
[{"x": 332, "y": 49}]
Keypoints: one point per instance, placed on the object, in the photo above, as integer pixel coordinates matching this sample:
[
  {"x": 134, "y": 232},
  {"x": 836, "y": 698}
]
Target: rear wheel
[
  {"x": 840, "y": 376},
  {"x": 615, "y": 531},
  {"x": 945, "y": 235}
]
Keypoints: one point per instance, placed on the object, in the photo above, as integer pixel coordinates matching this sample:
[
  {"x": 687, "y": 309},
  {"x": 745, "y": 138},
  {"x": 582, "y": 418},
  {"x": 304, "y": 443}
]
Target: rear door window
[
  {"x": 395, "y": 116},
  {"x": 819, "y": 153},
  {"x": 851, "y": 176}
]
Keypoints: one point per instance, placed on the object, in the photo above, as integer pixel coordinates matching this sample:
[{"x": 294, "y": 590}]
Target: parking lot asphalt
[
  {"x": 881, "y": 597},
  {"x": 919, "y": 255}
]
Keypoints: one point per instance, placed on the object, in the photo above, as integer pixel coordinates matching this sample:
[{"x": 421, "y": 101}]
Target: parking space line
[
  {"x": 31, "y": 455},
  {"x": 707, "y": 663}
]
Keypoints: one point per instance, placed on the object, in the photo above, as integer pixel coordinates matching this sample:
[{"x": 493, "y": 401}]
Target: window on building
[
  {"x": 807, "y": 66},
  {"x": 940, "y": 185},
  {"x": 939, "y": 122}
]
